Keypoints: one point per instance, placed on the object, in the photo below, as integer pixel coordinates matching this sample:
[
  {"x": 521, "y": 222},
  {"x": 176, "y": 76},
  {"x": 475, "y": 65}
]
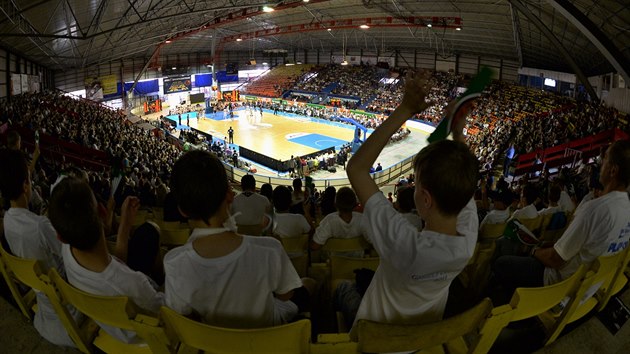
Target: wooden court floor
[{"x": 270, "y": 136}]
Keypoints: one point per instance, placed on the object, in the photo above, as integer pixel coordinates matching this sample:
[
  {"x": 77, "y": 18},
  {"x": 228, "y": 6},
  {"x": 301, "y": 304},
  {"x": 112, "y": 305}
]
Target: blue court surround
[
  {"x": 183, "y": 126},
  {"x": 318, "y": 141}
]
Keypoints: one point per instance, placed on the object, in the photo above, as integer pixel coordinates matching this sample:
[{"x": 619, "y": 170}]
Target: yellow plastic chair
[
  {"x": 445, "y": 336},
  {"x": 26, "y": 301},
  {"x": 28, "y": 271},
  {"x": 345, "y": 244},
  {"x": 530, "y": 302},
  {"x": 115, "y": 311},
  {"x": 490, "y": 232},
  {"x": 618, "y": 282},
  {"x": 295, "y": 244},
  {"x": 175, "y": 237},
  {"x": 479, "y": 272},
  {"x": 342, "y": 268},
  {"x": 171, "y": 225},
  {"x": 597, "y": 286},
  {"x": 533, "y": 224},
  {"x": 290, "y": 338}
]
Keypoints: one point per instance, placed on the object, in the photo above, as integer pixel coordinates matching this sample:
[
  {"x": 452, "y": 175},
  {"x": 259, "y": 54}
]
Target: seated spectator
[
  {"x": 554, "y": 197},
  {"x": 285, "y": 223},
  {"x": 88, "y": 263},
  {"x": 227, "y": 279},
  {"x": 528, "y": 210},
  {"x": 250, "y": 206},
  {"x": 407, "y": 207},
  {"x": 32, "y": 236},
  {"x": 412, "y": 282},
  {"x": 600, "y": 227},
  {"x": 327, "y": 203},
  {"x": 502, "y": 199},
  {"x": 345, "y": 223},
  {"x": 298, "y": 196}
]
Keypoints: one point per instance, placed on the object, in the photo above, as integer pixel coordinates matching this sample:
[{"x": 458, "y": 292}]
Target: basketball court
[{"x": 282, "y": 136}]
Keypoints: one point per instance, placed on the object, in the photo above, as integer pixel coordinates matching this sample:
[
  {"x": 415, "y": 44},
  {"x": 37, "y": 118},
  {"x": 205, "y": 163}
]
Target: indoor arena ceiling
[{"x": 63, "y": 34}]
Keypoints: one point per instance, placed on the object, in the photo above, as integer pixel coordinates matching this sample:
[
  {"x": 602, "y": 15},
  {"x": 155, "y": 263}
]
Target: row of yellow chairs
[
  {"x": 555, "y": 306},
  {"x": 172, "y": 332},
  {"x": 476, "y": 274}
]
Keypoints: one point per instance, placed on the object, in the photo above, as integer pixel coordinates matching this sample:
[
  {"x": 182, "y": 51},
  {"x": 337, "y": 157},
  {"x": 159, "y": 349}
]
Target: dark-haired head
[
  {"x": 14, "y": 176},
  {"x": 74, "y": 214},
  {"x": 281, "y": 198},
  {"x": 345, "y": 200},
  {"x": 248, "y": 183},
  {"x": 449, "y": 172},
  {"x": 200, "y": 184}
]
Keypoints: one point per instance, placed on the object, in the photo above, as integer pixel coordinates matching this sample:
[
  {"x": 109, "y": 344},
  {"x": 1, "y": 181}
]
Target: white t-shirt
[
  {"x": 116, "y": 280},
  {"x": 565, "y": 202},
  {"x": 332, "y": 225},
  {"x": 550, "y": 210},
  {"x": 32, "y": 236},
  {"x": 252, "y": 207},
  {"x": 235, "y": 290},
  {"x": 495, "y": 216},
  {"x": 588, "y": 197},
  {"x": 600, "y": 227},
  {"x": 414, "y": 219},
  {"x": 528, "y": 212},
  {"x": 290, "y": 225},
  {"x": 416, "y": 268}
]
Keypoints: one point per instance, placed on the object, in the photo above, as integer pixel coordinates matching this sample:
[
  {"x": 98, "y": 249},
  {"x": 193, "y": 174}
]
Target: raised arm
[
  {"x": 416, "y": 88},
  {"x": 128, "y": 213}
]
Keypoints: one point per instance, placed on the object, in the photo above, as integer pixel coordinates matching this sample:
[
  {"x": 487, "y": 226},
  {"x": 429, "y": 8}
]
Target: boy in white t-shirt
[
  {"x": 224, "y": 278},
  {"x": 31, "y": 236},
  {"x": 412, "y": 282},
  {"x": 286, "y": 223},
  {"x": 345, "y": 223},
  {"x": 89, "y": 266}
]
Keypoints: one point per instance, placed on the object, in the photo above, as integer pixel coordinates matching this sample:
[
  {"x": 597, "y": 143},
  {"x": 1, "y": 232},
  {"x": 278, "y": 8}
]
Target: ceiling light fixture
[
  {"x": 458, "y": 29},
  {"x": 429, "y": 25},
  {"x": 168, "y": 41},
  {"x": 307, "y": 0},
  {"x": 364, "y": 26},
  {"x": 268, "y": 9},
  {"x": 329, "y": 29},
  {"x": 239, "y": 39}
]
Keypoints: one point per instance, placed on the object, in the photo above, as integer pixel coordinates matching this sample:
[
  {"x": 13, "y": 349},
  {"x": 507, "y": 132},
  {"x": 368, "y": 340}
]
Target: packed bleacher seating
[{"x": 276, "y": 81}]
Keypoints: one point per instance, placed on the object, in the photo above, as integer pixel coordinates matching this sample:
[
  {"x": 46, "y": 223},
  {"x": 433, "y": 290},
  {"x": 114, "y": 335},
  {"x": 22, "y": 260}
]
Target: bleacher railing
[
  {"x": 382, "y": 178},
  {"x": 560, "y": 155}
]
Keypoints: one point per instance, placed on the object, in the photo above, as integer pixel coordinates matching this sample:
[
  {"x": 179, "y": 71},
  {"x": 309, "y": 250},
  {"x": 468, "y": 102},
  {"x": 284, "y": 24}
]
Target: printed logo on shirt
[
  {"x": 625, "y": 232},
  {"x": 432, "y": 276},
  {"x": 615, "y": 247}
]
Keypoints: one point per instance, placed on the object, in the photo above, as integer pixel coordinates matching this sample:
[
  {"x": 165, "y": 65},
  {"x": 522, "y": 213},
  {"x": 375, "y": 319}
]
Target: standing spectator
[{"x": 231, "y": 135}]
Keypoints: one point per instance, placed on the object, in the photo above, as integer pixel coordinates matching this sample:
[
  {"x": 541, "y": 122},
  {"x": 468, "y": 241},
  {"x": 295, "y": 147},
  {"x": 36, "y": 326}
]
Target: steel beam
[
  {"x": 557, "y": 44},
  {"x": 594, "y": 34}
]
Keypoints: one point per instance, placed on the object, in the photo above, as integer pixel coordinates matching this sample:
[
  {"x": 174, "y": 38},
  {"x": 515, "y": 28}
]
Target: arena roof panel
[{"x": 63, "y": 34}]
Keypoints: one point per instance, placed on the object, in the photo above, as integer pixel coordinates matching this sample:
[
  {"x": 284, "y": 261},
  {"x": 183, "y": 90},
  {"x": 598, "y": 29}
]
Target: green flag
[{"x": 474, "y": 89}]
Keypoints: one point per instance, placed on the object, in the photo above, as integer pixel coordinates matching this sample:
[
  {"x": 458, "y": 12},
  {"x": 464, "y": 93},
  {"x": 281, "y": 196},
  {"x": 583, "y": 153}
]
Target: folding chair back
[
  {"x": 375, "y": 337},
  {"x": 290, "y": 338}
]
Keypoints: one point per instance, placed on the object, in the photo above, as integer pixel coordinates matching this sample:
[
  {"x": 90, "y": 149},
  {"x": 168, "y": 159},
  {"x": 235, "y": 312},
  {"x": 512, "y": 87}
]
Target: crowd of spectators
[
  {"x": 147, "y": 160},
  {"x": 529, "y": 120}
]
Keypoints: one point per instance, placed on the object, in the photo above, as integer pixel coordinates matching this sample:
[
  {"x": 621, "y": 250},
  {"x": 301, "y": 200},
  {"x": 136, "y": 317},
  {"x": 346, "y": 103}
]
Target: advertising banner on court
[{"x": 177, "y": 85}]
